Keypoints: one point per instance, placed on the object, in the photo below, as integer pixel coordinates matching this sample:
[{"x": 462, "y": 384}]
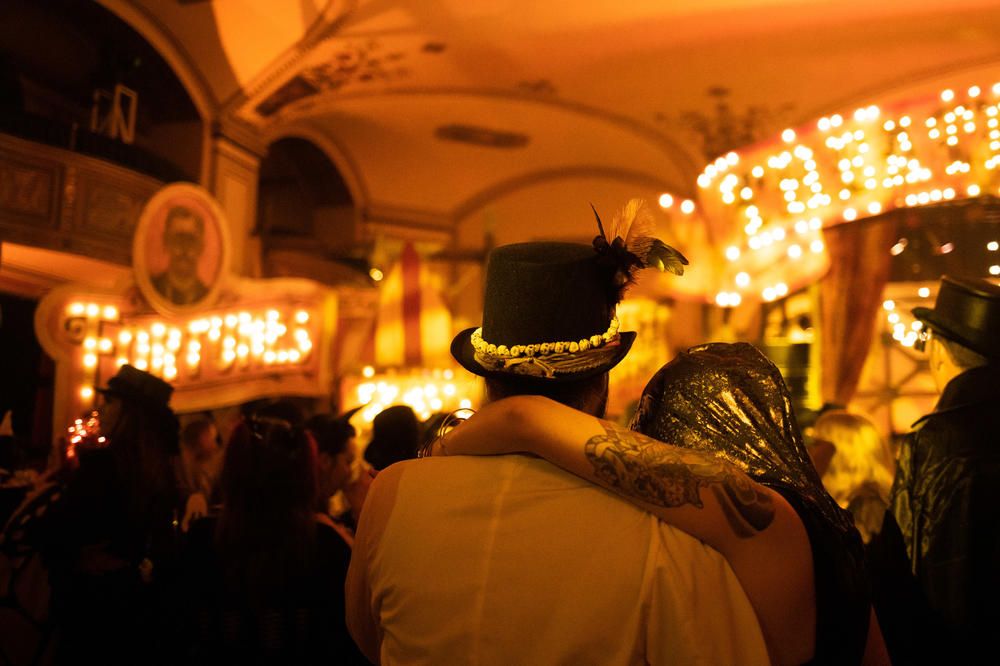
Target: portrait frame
[{"x": 151, "y": 261}]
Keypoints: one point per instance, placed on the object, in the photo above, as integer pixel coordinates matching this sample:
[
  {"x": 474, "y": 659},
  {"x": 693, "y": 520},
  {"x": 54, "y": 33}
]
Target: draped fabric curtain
[{"x": 851, "y": 300}]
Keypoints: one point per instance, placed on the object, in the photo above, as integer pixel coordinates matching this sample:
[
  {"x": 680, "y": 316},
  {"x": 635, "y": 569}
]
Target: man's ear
[
  {"x": 940, "y": 354},
  {"x": 942, "y": 365}
]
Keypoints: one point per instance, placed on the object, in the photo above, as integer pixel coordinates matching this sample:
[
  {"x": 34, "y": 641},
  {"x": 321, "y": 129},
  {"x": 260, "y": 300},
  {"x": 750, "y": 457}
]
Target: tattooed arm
[
  {"x": 752, "y": 526},
  {"x": 702, "y": 494},
  {"x": 661, "y": 475}
]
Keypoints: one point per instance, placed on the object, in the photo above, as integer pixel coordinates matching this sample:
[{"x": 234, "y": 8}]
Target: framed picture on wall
[{"x": 181, "y": 249}]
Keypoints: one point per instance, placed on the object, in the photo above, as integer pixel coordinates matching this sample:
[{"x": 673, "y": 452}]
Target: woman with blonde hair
[{"x": 860, "y": 472}]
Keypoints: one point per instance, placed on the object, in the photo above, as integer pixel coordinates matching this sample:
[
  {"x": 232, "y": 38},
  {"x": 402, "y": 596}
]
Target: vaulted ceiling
[
  {"x": 437, "y": 106},
  {"x": 434, "y": 109}
]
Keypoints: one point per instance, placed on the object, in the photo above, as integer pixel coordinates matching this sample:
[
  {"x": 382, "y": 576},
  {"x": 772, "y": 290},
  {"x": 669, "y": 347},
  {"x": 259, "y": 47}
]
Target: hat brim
[
  {"x": 111, "y": 392},
  {"x": 463, "y": 352},
  {"x": 950, "y": 331},
  {"x": 129, "y": 396},
  {"x": 346, "y": 416}
]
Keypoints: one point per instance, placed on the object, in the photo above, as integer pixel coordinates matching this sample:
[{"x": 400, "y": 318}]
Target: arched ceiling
[{"x": 440, "y": 106}]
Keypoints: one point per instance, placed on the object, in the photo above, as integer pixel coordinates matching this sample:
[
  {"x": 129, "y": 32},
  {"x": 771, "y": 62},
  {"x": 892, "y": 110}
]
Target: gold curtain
[{"x": 851, "y": 300}]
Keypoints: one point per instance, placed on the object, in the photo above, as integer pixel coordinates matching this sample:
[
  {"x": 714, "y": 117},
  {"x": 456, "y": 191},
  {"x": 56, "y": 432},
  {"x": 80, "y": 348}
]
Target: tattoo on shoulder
[{"x": 646, "y": 469}]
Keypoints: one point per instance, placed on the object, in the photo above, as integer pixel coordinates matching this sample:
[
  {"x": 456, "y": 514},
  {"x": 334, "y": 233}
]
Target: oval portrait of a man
[{"x": 179, "y": 251}]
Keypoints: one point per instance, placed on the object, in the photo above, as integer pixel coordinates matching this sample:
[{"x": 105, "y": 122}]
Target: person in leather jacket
[{"x": 946, "y": 493}]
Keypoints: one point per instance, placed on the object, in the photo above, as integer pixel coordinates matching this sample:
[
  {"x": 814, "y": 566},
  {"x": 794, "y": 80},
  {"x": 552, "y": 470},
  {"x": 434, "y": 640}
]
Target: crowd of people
[
  {"x": 534, "y": 531},
  {"x": 148, "y": 542}
]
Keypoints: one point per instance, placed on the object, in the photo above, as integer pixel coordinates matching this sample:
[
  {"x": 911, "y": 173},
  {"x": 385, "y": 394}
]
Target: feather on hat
[{"x": 631, "y": 246}]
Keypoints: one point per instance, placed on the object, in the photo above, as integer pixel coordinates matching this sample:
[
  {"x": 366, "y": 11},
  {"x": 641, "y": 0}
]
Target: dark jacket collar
[{"x": 972, "y": 387}]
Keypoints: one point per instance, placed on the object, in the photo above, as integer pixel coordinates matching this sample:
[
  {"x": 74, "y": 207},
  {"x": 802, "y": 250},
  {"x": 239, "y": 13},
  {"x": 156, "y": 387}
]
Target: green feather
[{"x": 665, "y": 258}]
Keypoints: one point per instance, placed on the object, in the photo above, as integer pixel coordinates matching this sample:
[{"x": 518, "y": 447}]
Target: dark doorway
[{"x": 26, "y": 385}]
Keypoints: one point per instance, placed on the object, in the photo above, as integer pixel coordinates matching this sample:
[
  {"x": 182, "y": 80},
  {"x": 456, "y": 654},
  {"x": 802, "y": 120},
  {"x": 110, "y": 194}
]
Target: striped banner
[{"x": 413, "y": 328}]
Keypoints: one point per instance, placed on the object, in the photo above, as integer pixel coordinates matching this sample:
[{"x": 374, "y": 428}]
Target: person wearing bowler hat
[
  {"x": 508, "y": 559},
  {"x": 946, "y": 494},
  {"x": 107, "y": 535},
  {"x": 142, "y": 434},
  {"x": 395, "y": 435}
]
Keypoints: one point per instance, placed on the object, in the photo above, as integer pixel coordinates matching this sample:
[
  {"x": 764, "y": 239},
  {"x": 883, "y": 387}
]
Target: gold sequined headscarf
[{"x": 731, "y": 401}]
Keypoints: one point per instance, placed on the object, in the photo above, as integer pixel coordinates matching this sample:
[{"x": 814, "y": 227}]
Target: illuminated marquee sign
[
  {"x": 233, "y": 340},
  {"x": 777, "y": 197}
]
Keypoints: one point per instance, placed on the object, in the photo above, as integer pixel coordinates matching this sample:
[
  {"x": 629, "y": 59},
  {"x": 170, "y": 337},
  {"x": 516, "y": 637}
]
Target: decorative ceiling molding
[
  {"x": 357, "y": 62},
  {"x": 408, "y": 223},
  {"x": 334, "y": 15},
  {"x": 240, "y": 132}
]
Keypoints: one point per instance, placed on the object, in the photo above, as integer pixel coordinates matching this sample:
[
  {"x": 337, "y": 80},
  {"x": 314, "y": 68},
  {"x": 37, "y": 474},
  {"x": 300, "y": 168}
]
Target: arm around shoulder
[{"x": 751, "y": 525}]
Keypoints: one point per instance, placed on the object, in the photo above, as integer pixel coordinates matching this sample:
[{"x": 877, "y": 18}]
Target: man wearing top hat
[
  {"x": 946, "y": 495},
  {"x": 509, "y": 560}
]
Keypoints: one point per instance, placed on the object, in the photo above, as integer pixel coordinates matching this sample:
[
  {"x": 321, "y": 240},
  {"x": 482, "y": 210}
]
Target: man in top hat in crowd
[
  {"x": 946, "y": 495},
  {"x": 510, "y": 560}
]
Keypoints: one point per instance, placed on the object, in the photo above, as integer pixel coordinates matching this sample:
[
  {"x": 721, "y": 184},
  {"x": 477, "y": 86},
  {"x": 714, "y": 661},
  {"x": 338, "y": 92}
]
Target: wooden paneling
[
  {"x": 61, "y": 200},
  {"x": 28, "y": 189}
]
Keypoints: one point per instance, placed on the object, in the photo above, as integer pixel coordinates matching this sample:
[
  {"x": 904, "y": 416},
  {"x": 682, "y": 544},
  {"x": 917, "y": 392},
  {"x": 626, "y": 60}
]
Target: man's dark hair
[
  {"x": 182, "y": 211},
  {"x": 331, "y": 433},
  {"x": 587, "y": 395},
  {"x": 964, "y": 357}
]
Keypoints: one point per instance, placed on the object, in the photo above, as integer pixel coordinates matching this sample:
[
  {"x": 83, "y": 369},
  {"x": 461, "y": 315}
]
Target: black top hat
[
  {"x": 967, "y": 310},
  {"x": 548, "y": 315},
  {"x": 395, "y": 433},
  {"x": 132, "y": 384}
]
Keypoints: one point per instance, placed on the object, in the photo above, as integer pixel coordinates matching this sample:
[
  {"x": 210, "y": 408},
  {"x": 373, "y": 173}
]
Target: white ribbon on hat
[{"x": 550, "y": 365}]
